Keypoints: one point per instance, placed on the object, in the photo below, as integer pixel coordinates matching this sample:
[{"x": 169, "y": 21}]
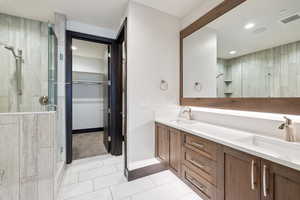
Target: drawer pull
[
  {"x": 265, "y": 187},
  {"x": 253, "y": 165},
  {"x": 201, "y": 146},
  {"x": 194, "y": 162},
  {"x": 196, "y": 183}
]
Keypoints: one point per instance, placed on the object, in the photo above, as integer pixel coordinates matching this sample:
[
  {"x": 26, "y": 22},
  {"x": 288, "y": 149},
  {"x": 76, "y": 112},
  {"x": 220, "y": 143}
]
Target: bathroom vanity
[{"x": 224, "y": 164}]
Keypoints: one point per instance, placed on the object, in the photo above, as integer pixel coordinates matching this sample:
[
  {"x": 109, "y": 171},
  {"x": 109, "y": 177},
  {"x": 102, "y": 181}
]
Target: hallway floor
[
  {"x": 87, "y": 145},
  {"x": 101, "y": 178}
]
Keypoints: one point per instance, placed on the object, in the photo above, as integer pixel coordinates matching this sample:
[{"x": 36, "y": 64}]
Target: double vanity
[
  {"x": 225, "y": 164},
  {"x": 235, "y": 59}
]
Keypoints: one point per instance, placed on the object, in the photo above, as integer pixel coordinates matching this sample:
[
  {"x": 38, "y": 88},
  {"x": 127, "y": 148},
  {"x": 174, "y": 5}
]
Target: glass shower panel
[
  {"x": 27, "y": 65},
  {"x": 52, "y": 69}
]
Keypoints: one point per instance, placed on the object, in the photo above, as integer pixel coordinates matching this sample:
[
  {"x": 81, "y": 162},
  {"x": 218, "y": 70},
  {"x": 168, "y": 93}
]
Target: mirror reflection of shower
[
  {"x": 19, "y": 60},
  {"x": 217, "y": 77}
]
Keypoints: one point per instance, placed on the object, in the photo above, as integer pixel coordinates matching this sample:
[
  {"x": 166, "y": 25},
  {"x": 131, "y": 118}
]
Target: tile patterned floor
[{"x": 101, "y": 178}]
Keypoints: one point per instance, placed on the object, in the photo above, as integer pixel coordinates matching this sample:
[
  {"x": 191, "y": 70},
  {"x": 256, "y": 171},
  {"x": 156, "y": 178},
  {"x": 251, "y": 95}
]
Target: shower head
[{"x": 11, "y": 48}]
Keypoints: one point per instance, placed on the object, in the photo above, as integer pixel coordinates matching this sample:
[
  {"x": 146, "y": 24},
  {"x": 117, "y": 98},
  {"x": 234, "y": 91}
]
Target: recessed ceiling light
[
  {"x": 74, "y": 48},
  {"x": 232, "y": 52},
  {"x": 249, "y": 25}
]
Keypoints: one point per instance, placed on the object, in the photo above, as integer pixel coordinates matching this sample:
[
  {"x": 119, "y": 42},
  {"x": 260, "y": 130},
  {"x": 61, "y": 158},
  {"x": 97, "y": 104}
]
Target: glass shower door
[{"x": 52, "y": 69}]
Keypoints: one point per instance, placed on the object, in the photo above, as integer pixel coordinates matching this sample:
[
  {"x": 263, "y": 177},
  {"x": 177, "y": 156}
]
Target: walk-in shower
[{"x": 28, "y": 60}]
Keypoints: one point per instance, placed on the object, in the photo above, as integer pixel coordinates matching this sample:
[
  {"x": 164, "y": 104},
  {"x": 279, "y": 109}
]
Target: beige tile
[
  {"x": 9, "y": 161},
  {"x": 29, "y": 190},
  {"x": 130, "y": 188},
  {"x": 44, "y": 130},
  {"x": 97, "y": 195},
  {"x": 45, "y": 189},
  {"x": 75, "y": 190},
  {"x": 169, "y": 191},
  {"x": 164, "y": 177},
  {"x": 109, "y": 180},
  {"x": 46, "y": 163},
  {"x": 97, "y": 172},
  {"x": 70, "y": 178},
  {"x": 191, "y": 196},
  {"x": 29, "y": 146}
]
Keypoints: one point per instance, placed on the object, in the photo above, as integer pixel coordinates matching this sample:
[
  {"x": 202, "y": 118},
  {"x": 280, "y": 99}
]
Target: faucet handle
[{"x": 288, "y": 121}]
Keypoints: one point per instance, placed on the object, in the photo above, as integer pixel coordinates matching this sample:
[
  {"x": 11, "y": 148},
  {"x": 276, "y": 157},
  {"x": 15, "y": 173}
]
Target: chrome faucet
[
  {"x": 187, "y": 110},
  {"x": 289, "y": 130}
]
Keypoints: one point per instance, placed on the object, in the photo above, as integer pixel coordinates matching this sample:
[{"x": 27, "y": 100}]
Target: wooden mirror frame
[{"x": 273, "y": 105}]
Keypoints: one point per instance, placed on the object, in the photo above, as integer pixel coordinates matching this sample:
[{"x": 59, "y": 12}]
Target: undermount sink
[
  {"x": 184, "y": 122},
  {"x": 273, "y": 146}
]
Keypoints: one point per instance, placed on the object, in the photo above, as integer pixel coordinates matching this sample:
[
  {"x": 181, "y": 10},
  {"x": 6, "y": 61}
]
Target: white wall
[
  {"x": 200, "y": 64},
  {"x": 90, "y": 29},
  {"x": 153, "y": 55}
]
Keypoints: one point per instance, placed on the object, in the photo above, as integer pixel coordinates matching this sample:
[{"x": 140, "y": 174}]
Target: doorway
[
  {"x": 92, "y": 97},
  {"x": 90, "y": 83}
]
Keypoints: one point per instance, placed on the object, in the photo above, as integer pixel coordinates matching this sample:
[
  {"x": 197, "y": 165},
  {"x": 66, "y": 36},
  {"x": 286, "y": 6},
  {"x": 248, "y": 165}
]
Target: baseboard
[
  {"x": 89, "y": 130},
  {"x": 146, "y": 171}
]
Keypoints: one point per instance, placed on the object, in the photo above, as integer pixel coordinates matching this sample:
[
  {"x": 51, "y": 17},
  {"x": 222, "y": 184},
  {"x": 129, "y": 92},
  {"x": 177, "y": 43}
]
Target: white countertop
[{"x": 272, "y": 149}]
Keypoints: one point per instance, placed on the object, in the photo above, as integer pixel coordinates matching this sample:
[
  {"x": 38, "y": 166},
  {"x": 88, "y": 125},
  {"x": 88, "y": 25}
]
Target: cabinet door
[
  {"x": 279, "y": 183},
  {"x": 242, "y": 176},
  {"x": 175, "y": 150},
  {"x": 162, "y": 143}
]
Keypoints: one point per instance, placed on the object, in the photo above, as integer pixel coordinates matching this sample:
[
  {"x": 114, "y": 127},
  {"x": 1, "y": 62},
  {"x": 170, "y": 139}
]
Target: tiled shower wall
[
  {"x": 273, "y": 72},
  {"x": 31, "y": 37},
  {"x": 27, "y": 156}
]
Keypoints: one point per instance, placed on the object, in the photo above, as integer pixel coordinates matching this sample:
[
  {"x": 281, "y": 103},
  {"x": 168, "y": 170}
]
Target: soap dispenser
[{"x": 288, "y": 126}]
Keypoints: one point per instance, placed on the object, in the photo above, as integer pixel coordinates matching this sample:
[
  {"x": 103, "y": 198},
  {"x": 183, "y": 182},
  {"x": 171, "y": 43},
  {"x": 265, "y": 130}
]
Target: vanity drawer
[
  {"x": 200, "y": 145},
  {"x": 206, "y": 190},
  {"x": 203, "y": 166}
]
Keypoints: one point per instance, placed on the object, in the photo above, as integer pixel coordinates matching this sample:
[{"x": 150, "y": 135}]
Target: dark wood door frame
[
  {"x": 273, "y": 105},
  {"x": 114, "y": 132}
]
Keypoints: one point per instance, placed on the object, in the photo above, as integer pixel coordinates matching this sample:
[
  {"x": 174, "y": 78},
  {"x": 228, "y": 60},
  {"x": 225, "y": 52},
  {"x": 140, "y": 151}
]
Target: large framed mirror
[{"x": 243, "y": 55}]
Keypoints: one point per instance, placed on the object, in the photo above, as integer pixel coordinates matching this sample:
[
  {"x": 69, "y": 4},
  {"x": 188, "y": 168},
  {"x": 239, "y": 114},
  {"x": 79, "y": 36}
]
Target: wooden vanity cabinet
[
  {"x": 175, "y": 150},
  {"x": 279, "y": 182},
  {"x": 168, "y": 147},
  {"x": 162, "y": 143},
  {"x": 217, "y": 172},
  {"x": 241, "y": 176}
]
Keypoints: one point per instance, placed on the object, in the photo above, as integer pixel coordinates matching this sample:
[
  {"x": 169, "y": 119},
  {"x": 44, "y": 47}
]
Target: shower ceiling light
[
  {"x": 232, "y": 52},
  {"x": 249, "y": 25},
  {"x": 74, "y": 48}
]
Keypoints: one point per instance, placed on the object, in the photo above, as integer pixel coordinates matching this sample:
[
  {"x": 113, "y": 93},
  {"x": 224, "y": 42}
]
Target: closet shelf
[
  {"x": 86, "y": 72},
  {"x": 84, "y": 82}
]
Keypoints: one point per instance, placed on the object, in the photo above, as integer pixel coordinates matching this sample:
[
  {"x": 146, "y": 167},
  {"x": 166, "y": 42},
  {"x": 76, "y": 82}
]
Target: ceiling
[
  {"x": 102, "y": 13},
  {"x": 178, "y": 8},
  {"x": 268, "y": 31}
]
